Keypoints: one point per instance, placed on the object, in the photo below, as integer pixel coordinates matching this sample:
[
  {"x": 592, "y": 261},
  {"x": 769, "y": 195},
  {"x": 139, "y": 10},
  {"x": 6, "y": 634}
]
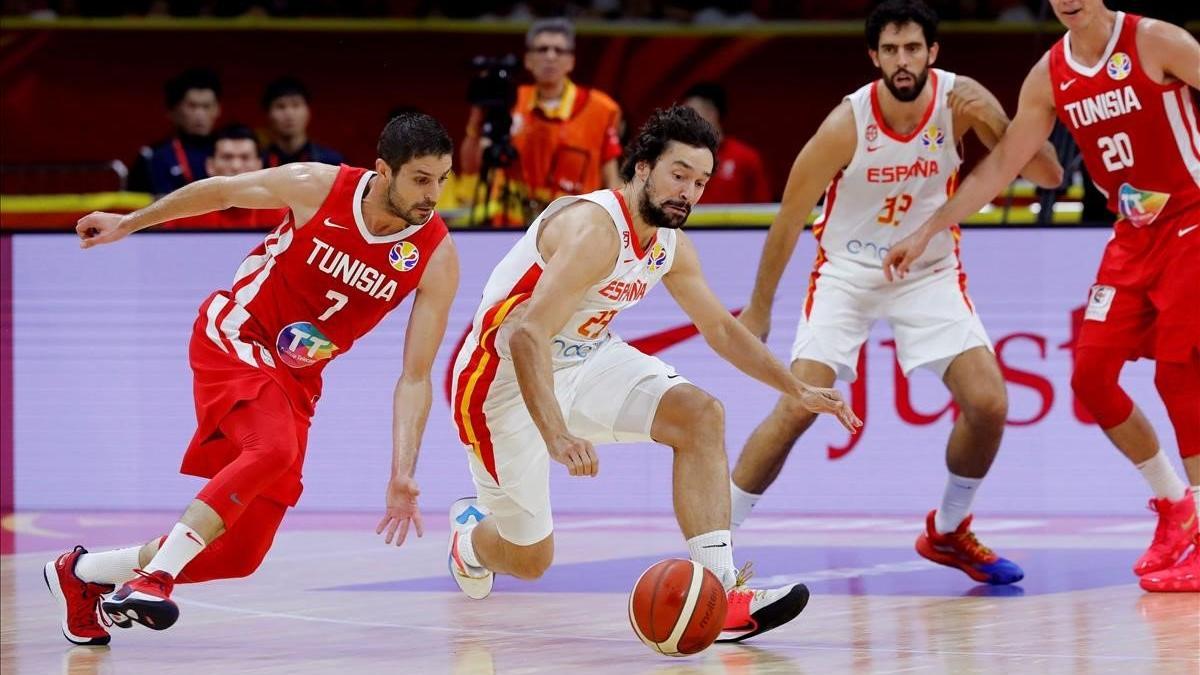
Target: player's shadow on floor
[{"x": 990, "y": 591}]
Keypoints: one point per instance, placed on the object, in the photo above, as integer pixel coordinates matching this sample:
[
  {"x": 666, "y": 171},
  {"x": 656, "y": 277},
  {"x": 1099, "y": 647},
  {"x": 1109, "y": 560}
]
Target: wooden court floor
[{"x": 332, "y": 598}]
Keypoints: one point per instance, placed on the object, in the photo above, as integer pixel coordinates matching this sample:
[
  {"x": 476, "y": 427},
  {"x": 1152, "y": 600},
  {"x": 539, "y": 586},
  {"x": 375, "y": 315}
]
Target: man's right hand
[
  {"x": 756, "y": 320},
  {"x": 829, "y": 401},
  {"x": 577, "y": 454},
  {"x": 99, "y": 227}
]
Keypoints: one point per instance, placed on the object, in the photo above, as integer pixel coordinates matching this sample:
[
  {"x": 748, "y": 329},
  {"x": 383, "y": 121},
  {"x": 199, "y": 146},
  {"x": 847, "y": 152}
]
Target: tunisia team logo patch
[
  {"x": 657, "y": 257},
  {"x": 933, "y": 138},
  {"x": 404, "y": 256},
  {"x": 1119, "y": 66}
]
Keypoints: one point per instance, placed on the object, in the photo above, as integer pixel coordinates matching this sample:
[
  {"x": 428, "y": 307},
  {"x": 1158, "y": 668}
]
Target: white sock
[
  {"x": 741, "y": 503},
  {"x": 177, "y": 551},
  {"x": 466, "y": 548},
  {"x": 1163, "y": 479},
  {"x": 108, "y": 567},
  {"x": 956, "y": 503},
  {"x": 714, "y": 550}
]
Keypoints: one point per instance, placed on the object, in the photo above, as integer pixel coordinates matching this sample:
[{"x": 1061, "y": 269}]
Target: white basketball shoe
[{"x": 473, "y": 580}]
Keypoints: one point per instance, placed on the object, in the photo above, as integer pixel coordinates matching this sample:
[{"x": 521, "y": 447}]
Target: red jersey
[
  {"x": 1139, "y": 139},
  {"x": 303, "y": 296},
  {"x": 739, "y": 176}
]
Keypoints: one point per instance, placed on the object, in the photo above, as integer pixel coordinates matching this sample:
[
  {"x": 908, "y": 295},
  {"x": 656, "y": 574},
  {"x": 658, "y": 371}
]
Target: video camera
[{"x": 494, "y": 90}]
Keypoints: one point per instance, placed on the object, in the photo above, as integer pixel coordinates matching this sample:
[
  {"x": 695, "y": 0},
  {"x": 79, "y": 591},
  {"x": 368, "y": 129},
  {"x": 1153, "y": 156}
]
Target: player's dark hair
[
  {"x": 677, "y": 123},
  {"x": 711, "y": 92},
  {"x": 237, "y": 132},
  {"x": 195, "y": 78},
  {"x": 412, "y": 135},
  {"x": 284, "y": 86},
  {"x": 900, "y": 12}
]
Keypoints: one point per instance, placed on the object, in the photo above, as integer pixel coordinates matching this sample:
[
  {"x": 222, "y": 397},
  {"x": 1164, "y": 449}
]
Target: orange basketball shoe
[
  {"x": 961, "y": 549},
  {"x": 754, "y": 611},
  {"x": 1184, "y": 577}
]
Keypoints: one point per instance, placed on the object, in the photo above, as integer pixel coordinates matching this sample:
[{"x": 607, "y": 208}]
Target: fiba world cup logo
[
  {"x": 1119, "y": 66},
  {"x": 657, "y": 258},
  {"x": 404, "y": 256},
  {"x": 933, "y": 138}
]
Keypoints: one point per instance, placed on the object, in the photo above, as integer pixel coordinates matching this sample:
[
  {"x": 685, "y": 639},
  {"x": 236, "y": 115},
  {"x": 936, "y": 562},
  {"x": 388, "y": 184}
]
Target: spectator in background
[
  {"x": 739, "y": 176},
  {"x": 235, "y": 152},
  {"x": 565, "y": 134},
  {"x": 286, "y": 103},
  {"x": 193, "y": 101}
]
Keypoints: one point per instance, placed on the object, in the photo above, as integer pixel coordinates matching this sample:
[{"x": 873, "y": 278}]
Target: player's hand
[
  {"x": 577, "y": 454},
  {"x": 401, "y": 510},
  {"x": 756, "y": 320},
  {"x": 99, "y": 227},
  {"x": 830, "y": 401},
  {"x": 903, "y": 254}
]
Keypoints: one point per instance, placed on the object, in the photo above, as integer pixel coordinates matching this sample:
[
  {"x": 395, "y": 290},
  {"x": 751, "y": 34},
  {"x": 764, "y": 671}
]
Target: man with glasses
[{"x": 565, "y": 135}]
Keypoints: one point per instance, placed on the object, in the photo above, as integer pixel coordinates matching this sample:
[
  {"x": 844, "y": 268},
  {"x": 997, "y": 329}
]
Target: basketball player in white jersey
[
  {"x": 540, "y": 377},
  {"x": 886, "y": 158}
]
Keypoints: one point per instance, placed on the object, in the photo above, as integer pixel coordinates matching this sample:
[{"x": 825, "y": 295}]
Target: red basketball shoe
[
  {"x": 961, "y": 549},
  {"x": 1175, "y": 531},
  {"x": 146, "y": 600},
  {"x": 1184, "y": 577},
  {"x": 77, "y": 599},
  {"x": 754, "y": 611}
]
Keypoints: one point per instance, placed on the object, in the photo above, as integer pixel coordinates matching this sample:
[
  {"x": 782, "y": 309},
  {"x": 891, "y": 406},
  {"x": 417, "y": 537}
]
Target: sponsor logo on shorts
[
  {"x": 1100, "y": 300},
  {"x": 867, "y": 248},
  {"x": 302, "y": 344},
  {"x": 569, "y": 349}
]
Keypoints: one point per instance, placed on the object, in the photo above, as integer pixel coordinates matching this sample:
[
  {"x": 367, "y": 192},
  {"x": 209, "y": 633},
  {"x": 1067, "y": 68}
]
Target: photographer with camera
[{"x": 536, "y": 142}]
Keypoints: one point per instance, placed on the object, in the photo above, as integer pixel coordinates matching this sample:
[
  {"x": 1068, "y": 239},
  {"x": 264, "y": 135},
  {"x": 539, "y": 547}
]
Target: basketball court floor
[{"x": 332, "y": 598}]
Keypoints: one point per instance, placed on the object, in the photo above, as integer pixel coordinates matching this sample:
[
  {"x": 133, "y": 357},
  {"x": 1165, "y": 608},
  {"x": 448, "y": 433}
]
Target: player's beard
[
  {"x": 409, "y": 214},
  {"x": 657, "y": 215},
  {"x": 907, "y": 94}
]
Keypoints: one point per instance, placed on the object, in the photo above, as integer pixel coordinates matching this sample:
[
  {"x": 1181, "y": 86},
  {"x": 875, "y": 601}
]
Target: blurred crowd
[
  {"x": 524, "y": 145},
  {"x": 710, "y": 12}
]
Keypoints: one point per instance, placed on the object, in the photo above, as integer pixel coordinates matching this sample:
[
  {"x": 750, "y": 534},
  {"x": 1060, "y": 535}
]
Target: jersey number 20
[{"x": 1117, "y": 151}]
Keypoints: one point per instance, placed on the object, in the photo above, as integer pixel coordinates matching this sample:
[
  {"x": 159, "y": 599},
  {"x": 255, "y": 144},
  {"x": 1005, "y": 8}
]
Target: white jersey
[
  {"x": 890, "y": 187},
  {"x": 636, "y": 270}
]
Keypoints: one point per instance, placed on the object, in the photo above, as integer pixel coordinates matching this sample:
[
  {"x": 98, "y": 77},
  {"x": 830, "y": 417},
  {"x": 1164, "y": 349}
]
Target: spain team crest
[
  {"x": 933, "y": 138},
  {"x": 1119, "y": 66},
  {"x": 404, "y": 256}
]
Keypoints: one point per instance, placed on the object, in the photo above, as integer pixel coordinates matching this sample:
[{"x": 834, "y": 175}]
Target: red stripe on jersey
[
  {"x": 638, "y": 249},
  {"x": 883, "y": 125},
  {"x": 482, "y": 367},
  {"x": 818, "y": 230},
  {"x": 956, "y": 232}
]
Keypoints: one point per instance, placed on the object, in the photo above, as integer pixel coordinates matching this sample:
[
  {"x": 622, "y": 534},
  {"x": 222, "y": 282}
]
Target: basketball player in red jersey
[
  {"x": 1125, "y": 87},
  {"x": 357, "y": 242}
]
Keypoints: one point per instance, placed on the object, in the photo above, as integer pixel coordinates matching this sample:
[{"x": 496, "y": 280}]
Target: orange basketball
[{"x": 677, "y": 607}]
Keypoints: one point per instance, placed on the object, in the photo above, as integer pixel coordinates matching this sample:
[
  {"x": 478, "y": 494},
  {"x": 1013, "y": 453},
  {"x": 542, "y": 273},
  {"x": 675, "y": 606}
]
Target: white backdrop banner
[{"x": 103, "y": 389}]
